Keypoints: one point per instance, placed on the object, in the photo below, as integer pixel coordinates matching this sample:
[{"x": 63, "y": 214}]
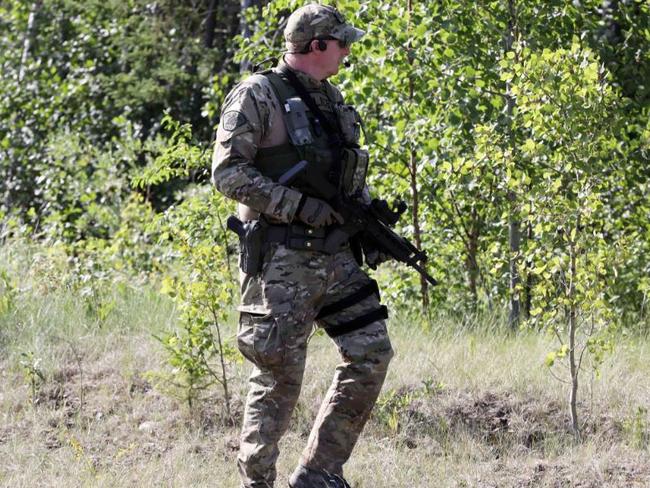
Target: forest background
[{"x": 517, "y": 132}]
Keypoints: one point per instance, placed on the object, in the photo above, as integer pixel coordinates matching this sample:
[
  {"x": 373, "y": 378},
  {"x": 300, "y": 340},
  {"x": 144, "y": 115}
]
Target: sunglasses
[{"x": 343, "y": 43}]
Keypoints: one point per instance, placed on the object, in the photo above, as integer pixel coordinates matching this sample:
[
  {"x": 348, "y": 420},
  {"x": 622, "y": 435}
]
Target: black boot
[{"x": 304, "y": 477}]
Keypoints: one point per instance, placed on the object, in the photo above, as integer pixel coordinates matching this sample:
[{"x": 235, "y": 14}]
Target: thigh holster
[{"x": 381, "y": 313}]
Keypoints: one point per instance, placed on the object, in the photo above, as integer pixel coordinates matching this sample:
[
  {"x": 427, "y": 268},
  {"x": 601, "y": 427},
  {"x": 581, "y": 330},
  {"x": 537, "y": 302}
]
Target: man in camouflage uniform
[{"x": 266, "y": 128}]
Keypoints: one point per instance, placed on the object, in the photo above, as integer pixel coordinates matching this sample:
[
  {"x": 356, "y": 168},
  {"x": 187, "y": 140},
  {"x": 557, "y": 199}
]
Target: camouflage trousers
[{"x": 294, "y": 290}]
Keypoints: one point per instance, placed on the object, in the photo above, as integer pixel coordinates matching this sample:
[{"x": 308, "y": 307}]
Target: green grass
[{"x": 463, "y": 405}]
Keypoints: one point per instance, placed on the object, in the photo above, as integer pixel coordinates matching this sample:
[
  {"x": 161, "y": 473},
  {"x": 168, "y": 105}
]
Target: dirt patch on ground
[
  {"x": 495, "y": 418},
  {"x": 524, "y": 441},
  {"x": 612, "y": 470},
  {"x": 498, "y": 417}
]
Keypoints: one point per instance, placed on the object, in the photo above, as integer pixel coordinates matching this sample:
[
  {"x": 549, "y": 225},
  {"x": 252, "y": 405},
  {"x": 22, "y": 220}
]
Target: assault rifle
[
  {"x": 374, "y": 222},
  {"x": 371, "y": 222}
]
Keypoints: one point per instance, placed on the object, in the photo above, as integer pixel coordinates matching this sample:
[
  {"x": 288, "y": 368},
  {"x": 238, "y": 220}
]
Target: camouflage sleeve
[{"x": 244, "y": 121}]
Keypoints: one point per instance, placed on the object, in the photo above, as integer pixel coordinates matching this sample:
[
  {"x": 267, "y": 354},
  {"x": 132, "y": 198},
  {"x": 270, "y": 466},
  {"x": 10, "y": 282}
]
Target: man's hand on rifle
[
  {"x": 317, "y": 213},
  {"x": 374, "y": 257}
]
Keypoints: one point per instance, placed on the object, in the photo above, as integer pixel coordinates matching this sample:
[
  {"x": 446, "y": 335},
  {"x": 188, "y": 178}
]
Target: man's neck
[{"x": 301, "y": 63}]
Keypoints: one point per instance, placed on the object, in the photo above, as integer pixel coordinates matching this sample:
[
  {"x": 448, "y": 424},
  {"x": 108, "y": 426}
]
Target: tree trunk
[
  {"x": 244, "y": 30},
  {"x": 612, "y": 30},
  {"x": 514, "y": 239},
  {"x": 413, "y": 170},
  {"x": 417, "y": 232},
  {"x": 224, "y": 373},
  {"x": 472, "y": 258},
  {"x": 528, "y": 295},
  {"x": 514, "y": 232},
  {"x": 573, "y": 398},
  {"x": 29, "y": 37},
  {"x": 13, "y": 170},
  {"x": 210, "y": 24}
]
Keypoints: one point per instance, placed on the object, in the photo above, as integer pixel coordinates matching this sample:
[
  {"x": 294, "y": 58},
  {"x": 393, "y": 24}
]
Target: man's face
[{"x": 332, "y": 57}]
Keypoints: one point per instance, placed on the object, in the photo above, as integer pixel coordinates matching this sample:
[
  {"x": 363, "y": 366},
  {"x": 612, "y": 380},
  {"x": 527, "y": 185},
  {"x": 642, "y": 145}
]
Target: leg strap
[
  {"x": 364, "y": 292},
  {"x": 358, "y": 323}
]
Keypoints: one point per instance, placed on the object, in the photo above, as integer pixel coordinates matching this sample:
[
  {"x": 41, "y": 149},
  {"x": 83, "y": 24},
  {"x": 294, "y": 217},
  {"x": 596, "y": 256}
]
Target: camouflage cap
[{"x": 315, "y": 21}]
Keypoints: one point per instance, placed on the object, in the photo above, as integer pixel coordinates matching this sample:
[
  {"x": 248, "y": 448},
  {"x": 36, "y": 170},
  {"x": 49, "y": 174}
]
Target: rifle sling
[{"x": 332, "y": 132}]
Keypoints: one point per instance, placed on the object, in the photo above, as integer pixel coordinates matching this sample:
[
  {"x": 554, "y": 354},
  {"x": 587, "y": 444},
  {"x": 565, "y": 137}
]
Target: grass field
[{"x": 462, "y": 406}]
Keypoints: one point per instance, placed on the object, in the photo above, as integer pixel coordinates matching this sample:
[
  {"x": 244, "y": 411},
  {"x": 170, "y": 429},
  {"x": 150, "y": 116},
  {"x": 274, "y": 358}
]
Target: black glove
[
  {"x": 374, "y": 257},
  {"x": 316, "y": 212}
]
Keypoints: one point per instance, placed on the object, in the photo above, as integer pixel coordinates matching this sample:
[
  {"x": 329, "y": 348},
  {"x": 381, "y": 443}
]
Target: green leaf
[
  {"x": 549, "y": 361},
  {"x": 168, "y": 287}
]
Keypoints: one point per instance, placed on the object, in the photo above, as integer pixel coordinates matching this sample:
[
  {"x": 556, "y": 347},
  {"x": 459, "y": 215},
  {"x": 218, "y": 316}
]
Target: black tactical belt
[{"x": 299, "y": 237}]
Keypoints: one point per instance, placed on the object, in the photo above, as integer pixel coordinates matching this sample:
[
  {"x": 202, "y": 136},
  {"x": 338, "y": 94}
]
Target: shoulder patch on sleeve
[{"x": 232, "y": 120}]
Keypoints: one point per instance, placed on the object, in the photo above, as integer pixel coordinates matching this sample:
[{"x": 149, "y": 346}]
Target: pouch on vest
[
  {"x": 297, "y": 122},
  {"x": 355, "y": 167},
  {"x": 350, "y": 123}
]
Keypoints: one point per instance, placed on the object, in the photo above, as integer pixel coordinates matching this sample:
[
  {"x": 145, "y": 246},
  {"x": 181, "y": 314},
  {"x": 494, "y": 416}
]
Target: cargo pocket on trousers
[{"x": 260, "y": 339}]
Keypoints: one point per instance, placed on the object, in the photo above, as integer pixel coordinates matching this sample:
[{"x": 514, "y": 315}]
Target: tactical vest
[{"x": 332, "y": 170}]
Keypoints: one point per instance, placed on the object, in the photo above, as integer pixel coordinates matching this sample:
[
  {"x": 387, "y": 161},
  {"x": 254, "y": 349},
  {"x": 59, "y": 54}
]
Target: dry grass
[
  {"x": 460, "y": 408},
  {"x": 482, "y": 421}
]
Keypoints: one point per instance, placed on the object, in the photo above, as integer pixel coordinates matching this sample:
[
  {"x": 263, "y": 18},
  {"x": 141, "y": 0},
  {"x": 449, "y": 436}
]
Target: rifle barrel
[{"x": 423, "y": 272}]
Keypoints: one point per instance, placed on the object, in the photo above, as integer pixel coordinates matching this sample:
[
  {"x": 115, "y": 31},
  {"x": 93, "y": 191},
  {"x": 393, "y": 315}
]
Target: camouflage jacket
[{"x": 252, "y": 118}]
